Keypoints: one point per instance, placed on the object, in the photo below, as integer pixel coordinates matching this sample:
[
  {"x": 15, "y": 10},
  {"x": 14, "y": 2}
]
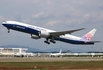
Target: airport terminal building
[{"x": 12, "y": 51}]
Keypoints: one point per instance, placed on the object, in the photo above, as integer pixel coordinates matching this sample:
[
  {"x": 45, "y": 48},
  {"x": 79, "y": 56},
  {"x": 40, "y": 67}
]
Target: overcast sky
[{"x": 57, "y": 15}]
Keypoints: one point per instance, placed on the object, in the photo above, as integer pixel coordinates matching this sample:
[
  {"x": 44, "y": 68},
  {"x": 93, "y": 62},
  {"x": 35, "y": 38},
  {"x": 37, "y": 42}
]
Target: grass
[{"x": 51, "y": 65}]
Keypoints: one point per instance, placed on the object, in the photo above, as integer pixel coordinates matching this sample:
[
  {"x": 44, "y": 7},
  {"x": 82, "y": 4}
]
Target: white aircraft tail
[
  {"x": 89, "y": 35},
  {"x": 60, "y": 51}
]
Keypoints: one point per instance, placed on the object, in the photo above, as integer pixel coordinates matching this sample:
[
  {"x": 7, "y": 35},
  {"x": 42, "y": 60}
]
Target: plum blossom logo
[{"x": 88, "y": 36}]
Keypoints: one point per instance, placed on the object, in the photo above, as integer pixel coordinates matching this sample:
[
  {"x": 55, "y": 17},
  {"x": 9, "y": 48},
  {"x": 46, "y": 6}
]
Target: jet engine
[{"x": 35, "y": 37}]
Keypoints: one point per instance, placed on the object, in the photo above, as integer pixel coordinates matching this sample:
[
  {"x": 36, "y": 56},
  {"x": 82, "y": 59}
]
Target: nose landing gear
[{"x": 8, "y": 30}]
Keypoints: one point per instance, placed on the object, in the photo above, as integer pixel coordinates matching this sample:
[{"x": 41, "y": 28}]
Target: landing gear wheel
[
  {"x": 47, "y": 42},
  {"x": 8, "y": 30},
  {"x": 52, "y": 41}
]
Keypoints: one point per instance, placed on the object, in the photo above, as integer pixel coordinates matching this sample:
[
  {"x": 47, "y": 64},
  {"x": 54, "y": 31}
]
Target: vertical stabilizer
[
  {"x": 89, "y": 35},
  {"x": 60, "y": 51}
]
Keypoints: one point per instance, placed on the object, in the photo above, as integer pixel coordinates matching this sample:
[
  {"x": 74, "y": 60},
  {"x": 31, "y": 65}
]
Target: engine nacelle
[
  {"x": 44, "y": 34},
  {"x": 35, "y": 37}
]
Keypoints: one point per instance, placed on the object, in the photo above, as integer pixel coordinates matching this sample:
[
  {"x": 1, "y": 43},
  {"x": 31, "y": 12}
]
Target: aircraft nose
[{"x": 4, "y": 23}]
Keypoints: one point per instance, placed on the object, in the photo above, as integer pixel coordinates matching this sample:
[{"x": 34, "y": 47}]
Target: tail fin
[
  {"x": 60, "y": 51},
  {"x": 89, "y": 35}
]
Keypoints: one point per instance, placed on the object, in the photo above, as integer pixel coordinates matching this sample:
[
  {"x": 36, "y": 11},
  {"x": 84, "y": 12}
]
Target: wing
[{"x": 56, "y": 34}]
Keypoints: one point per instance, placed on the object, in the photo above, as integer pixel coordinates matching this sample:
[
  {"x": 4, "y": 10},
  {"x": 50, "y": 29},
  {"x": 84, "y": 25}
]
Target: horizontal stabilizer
[{"x": 95, "y": 41}]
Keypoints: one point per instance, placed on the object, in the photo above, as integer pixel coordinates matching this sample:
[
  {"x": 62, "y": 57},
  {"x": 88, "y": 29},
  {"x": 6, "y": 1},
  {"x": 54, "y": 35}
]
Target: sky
[{"x": 57, "y": 15}]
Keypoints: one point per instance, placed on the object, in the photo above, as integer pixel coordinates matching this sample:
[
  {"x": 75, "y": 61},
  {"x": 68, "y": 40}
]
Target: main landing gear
[
  {"x": 48, "y": 41},
  {"x": 52, "y": 41}
]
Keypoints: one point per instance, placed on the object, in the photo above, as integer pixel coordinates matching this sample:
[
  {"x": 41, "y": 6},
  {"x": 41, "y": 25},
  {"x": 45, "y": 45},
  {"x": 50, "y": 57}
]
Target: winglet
[{"x": 89, "y": 35}]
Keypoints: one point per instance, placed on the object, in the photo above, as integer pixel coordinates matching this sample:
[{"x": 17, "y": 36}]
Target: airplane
[
  {"x": 51, "y": 36},
  {"x": 56, "y": 54}
]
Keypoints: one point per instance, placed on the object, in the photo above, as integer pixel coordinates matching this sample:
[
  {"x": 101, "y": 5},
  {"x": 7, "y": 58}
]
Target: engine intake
[{"x": 35, "y": 37}]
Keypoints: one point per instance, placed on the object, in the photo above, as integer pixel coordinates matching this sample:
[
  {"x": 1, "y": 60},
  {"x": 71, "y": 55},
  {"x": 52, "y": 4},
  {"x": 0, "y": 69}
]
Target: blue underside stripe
[
  {"x": 23, "y": 29},
  {"x": 73, "y": 41}
]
